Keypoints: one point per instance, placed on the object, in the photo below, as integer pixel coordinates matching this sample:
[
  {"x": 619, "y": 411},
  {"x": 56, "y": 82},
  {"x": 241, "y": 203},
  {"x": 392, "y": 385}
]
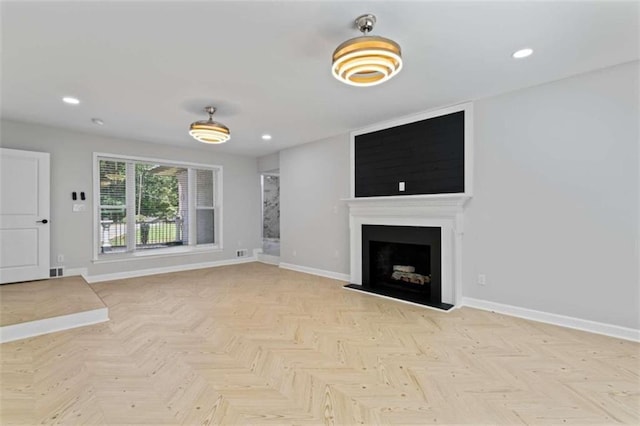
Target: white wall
[
  {"x": 314, "y": 223},
  {"x": 554, "y": 219},
  {"x": 269, "y": 163},
  {"x": 72, "y": 168}
]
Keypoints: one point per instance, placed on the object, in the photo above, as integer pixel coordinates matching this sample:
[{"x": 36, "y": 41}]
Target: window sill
[{"x": 157, "y": 253}]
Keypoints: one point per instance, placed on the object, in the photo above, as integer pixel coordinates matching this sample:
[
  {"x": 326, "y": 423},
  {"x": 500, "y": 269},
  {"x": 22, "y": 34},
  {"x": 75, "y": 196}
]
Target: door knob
[{"x": 43, "y": 221}]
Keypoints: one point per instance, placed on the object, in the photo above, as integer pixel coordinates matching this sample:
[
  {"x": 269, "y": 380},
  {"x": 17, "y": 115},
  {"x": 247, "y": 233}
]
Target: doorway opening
[{"x": 271, "y": 214}]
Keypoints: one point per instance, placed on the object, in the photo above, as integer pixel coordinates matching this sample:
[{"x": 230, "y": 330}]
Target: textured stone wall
[{"x": 271, "y": 207}]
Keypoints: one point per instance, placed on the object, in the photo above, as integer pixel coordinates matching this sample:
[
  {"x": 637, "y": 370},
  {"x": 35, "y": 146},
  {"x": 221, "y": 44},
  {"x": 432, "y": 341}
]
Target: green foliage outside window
[{"x": 156, "y": 192}]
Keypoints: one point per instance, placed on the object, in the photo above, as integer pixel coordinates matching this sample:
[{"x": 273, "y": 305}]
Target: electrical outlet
[
  {"x": 61, "y": 258},
  {"x": 482, "y": 279},
  {"x": 401, "y": 186}
]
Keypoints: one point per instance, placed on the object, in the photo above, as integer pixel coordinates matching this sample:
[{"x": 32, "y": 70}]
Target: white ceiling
[{"x": 148, "y": 68}]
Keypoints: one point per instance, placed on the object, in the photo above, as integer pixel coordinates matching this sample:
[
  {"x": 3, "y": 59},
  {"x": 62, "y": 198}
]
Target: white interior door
[{"x": 24, "y": 215}]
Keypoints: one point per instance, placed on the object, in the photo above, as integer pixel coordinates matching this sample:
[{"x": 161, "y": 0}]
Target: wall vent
[{"x": 56, "y": 272}]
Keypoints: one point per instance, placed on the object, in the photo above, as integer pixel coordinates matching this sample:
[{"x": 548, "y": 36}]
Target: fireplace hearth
[{"x": 403, "y": 262}]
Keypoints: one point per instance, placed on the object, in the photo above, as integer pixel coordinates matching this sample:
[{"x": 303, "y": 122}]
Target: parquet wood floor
[
  {"x": 255, "y": 344},
  {"x": 38, "y": 300}
]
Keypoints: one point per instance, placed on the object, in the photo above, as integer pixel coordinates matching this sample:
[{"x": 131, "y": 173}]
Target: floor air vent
[{"x": 56, "y": 272}]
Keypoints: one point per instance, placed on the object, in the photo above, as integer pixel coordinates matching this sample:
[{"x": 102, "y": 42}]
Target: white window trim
[
  {"x": 130, "y": 195},
  {"x": 164, "y": 252},
  {"x": 159, "y": 253}
]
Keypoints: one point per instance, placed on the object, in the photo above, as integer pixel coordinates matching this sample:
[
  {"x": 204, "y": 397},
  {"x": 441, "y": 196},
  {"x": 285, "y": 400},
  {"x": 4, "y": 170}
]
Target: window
[{"x": 148, "y": 205}]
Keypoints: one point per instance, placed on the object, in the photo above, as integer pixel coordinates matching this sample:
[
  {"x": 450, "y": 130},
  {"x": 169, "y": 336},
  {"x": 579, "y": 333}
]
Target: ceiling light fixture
[
  {"x": 522, "y": 53},
  {"x": 70, "y": 100},
  {"x": 266, "y": 137},
  {"x": 209, "y": 131},
  {"x": 366, "y": 60}
]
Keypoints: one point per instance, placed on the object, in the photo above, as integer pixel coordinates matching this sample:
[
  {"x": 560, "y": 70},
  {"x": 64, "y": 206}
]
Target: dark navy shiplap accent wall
[{"x": 427, "y": 155}]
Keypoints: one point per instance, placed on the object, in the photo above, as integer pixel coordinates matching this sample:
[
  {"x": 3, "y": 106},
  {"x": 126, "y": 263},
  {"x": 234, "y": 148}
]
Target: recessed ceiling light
[
  {"x": 70, "y": 100},
  {"x": 97, "y": 121},
  {"x": 522, "y": 53},
  {"x": 266, "y": 137}
]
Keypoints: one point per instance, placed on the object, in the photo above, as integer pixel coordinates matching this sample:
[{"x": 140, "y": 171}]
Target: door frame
[{"x": 41, "y": 270}]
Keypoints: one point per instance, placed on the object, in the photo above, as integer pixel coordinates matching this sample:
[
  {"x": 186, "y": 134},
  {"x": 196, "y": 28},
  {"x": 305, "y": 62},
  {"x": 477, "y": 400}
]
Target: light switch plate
[{"x": 482, "y": 279}]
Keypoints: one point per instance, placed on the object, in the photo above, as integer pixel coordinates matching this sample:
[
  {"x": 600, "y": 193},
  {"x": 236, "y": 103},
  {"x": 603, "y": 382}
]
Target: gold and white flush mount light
[
  {"x": 366, "y": 60},
  {"x": 209, "y": 131}
]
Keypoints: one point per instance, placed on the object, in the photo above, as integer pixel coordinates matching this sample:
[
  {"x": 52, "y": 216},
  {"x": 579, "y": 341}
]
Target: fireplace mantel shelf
[
  {"x": 408, "y": 205},
  {"x": 452, "y": 199}
]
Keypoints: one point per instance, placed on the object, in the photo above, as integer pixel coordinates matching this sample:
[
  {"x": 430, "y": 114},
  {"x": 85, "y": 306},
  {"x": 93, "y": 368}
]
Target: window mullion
[
  {"x": 131, "y": 206},
  {"x": 215, "y": 207}
]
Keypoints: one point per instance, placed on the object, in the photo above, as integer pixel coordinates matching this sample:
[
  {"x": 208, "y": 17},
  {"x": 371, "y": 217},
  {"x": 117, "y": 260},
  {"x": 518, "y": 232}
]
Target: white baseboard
[
  {"x": 73, "y": 272},
  {"x": 555, "y": 319},
  {"x": 313, "y": 271},
  {"x": 9, "y": 333},
  {"x": 164, "y": 270},
  {"x": 269, "y": 259}
]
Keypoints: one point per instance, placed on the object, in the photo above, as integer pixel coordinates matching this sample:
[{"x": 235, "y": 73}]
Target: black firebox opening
[{"x": 403, "y": 262}]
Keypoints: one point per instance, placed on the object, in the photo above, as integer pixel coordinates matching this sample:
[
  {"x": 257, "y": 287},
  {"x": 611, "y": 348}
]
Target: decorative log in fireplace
[{"x": 408, "y": 274}]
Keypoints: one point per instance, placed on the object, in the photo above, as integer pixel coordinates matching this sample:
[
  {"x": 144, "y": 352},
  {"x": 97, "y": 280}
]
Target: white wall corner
[
  {"x": 269, "y": 259},
  {"x": 72, "y": 272}
]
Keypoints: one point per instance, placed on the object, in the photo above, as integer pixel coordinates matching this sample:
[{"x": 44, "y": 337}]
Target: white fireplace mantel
[
  {"x": 442, "y": 210},
  {"x": 409, "y": 205}
]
